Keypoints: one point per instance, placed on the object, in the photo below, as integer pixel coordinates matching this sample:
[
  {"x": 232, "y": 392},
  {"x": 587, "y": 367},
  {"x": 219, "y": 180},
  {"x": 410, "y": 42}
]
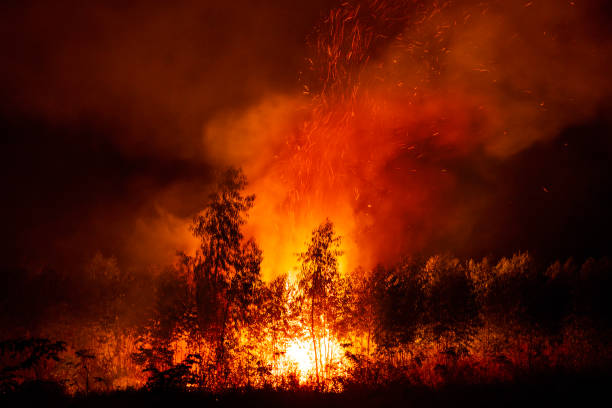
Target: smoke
[
  {"x": 408, "y": 115},
  {"x": 415, "y": 126},
  {"x": 102, "y": 109}
]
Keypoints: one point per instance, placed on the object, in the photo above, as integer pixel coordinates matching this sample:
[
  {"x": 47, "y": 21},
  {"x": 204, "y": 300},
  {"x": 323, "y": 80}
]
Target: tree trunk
[{"x": 314, "y": 337}]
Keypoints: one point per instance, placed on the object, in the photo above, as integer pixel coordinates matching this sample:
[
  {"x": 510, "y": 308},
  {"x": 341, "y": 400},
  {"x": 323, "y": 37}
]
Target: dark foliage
[{"x": 26, "y": 359}]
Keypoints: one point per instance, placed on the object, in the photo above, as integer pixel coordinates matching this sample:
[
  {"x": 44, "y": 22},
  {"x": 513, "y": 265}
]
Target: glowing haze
[{"x": 399, "y": 101}]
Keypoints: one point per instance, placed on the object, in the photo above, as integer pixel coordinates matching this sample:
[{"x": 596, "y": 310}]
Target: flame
[{"x": 302, "y": 354}]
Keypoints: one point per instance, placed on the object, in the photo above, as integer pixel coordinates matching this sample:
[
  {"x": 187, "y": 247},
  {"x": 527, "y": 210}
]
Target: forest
[{"x": 211, "y": 324}]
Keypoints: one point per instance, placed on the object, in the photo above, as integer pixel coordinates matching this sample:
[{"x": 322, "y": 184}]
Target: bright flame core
[
  {"x": 300, "y": 358},
  {"x": 301, "y": 353}
]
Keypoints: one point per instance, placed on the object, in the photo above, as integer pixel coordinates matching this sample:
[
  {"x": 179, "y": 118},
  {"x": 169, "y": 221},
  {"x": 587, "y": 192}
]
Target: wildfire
[
  {"x": 398, "y": 99},
  {"x": 301, "y": 353},
  {"x": 301, "y": 357}
]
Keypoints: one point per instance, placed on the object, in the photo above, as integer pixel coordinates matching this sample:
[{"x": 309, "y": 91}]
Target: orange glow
[
  {"x": 383, "y": 116},
  {"x": 402, "y": 128}
]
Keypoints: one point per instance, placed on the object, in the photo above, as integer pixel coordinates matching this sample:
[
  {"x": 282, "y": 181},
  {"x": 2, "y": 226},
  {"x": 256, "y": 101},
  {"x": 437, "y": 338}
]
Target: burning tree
[
  {"x": 202, "y": 307},
  {"x": 319, "y": 281}
]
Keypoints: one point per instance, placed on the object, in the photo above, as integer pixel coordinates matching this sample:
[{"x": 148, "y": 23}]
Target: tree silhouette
[
  {"x": 27, "y": 359},
  {"x": 226, "y": 268}
]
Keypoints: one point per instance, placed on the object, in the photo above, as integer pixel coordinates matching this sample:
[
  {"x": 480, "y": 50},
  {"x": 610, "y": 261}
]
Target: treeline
[
  {"x": 210, "y": 322},
  {"x": 441, "y": 320}
]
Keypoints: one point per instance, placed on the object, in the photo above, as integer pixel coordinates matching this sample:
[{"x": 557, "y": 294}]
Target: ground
[{"x": 556, "y": 390}]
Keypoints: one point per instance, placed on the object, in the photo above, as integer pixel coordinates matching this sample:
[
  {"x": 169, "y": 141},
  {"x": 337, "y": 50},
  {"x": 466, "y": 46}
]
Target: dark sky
[
  {"x": 102, "y": 108},
  {"x": 103, "y": 105}
]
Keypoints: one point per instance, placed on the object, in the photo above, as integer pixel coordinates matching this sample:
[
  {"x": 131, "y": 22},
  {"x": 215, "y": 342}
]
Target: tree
[
  {"x": 226, "y": 268},
  {"x": 319, "y": 281}
]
